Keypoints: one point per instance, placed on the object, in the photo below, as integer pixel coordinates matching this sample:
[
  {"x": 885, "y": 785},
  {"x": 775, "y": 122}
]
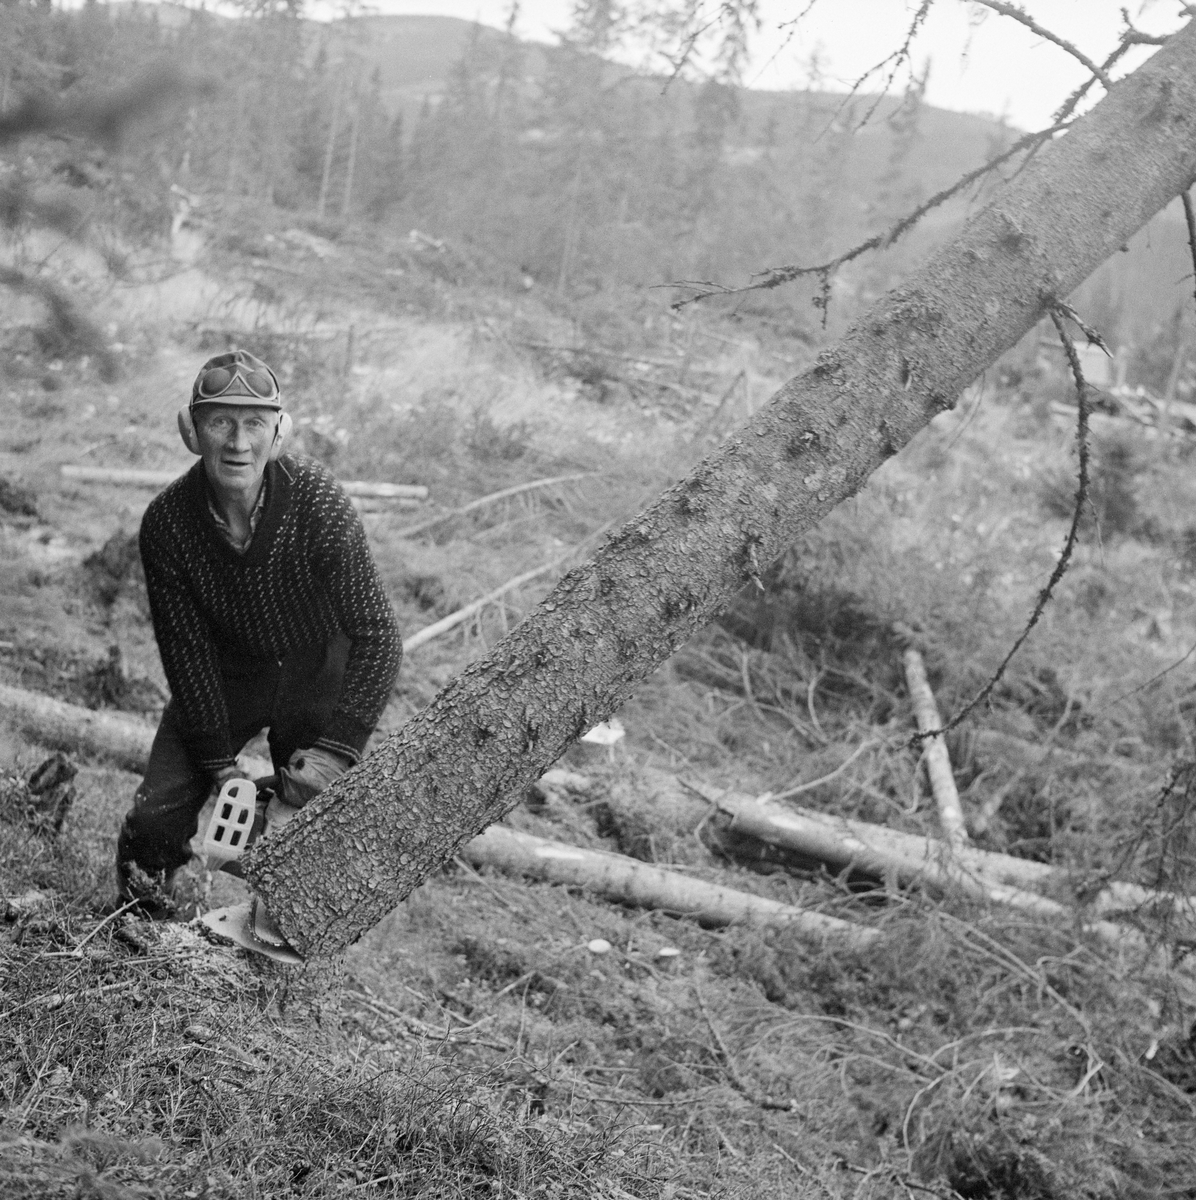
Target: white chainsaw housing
[{"x": 229, "y": 827}]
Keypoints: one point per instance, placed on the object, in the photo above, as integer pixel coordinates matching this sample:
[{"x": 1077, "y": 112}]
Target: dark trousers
[{"x": 295, "y": 698}]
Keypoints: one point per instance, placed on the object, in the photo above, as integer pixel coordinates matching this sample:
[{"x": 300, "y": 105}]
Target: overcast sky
[{"x": 980, "y": 61}]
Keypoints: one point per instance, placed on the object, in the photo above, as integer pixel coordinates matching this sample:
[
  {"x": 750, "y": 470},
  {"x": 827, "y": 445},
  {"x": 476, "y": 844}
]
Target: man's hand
[{"x": 308, "y": 773}]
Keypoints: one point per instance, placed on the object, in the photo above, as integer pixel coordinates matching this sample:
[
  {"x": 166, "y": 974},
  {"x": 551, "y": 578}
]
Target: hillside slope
[{"x": 503, "y": 1038}]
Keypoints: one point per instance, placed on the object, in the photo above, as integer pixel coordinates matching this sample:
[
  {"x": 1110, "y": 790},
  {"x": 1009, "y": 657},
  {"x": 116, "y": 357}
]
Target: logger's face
[{"x": 235, "y": 443}]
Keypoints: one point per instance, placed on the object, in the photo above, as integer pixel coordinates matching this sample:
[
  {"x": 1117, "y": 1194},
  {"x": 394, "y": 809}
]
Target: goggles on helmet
[
  {"x": 218, "y": 382},
  {"x": 237, "y": 377}
]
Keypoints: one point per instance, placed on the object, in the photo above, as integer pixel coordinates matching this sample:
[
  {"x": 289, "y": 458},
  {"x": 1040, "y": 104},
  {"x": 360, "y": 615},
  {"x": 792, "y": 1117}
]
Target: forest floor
[{"x": 502, "y": 1038}]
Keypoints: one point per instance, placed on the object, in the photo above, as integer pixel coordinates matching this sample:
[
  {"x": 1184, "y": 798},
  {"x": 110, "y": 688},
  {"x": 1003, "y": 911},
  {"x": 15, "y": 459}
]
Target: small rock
[{"x": 599, "y": 946}]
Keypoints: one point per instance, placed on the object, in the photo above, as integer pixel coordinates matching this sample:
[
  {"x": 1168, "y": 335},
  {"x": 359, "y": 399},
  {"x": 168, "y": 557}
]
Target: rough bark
[
  {"x": 938, "y": 761},
  {"x": 124, "y": 740},
  {"x": 462, "y": 762},
  {"x": 629, "y": 881}
]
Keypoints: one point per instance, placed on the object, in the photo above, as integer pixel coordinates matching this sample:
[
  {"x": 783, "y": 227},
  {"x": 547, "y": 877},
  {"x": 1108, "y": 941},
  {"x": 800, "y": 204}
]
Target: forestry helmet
[{"x": 237, "y": 377}]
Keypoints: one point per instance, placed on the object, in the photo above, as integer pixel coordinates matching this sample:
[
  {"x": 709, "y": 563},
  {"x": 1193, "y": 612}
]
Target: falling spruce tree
[{"x": 463, "y": 761}]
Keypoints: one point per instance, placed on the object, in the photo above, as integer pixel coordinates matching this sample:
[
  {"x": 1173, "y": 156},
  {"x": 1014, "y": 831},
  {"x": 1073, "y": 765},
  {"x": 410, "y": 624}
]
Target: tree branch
[
  {"x": 897, "y": 58},
  {"x": 1190, "y": 218},
  {"x": 776, "y": 276},
  {"x": 1024, "y": 18},
  {"x": 1069, "y": 105},
  {"x": 1058, "y": 311},
  {"x": 1135, "y": 37}
]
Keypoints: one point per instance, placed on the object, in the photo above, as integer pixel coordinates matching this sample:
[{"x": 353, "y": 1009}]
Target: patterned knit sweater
[{"x": 307, "y": 573}]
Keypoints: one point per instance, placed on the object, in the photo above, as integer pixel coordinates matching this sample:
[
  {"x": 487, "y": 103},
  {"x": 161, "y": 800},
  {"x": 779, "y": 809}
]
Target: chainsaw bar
[{"x": 249, "y": 926}]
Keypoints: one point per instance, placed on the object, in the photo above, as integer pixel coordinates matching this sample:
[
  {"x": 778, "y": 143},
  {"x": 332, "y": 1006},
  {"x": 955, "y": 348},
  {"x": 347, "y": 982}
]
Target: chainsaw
[{"x": 242, "y": 811}]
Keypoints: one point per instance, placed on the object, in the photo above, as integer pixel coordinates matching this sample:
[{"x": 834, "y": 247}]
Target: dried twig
[
  {"x": 793, "y": 1020},
  {"x": 809, "y": 785},
  {"x": 737, "y": 1080},
  {"x": 993, "y": 949},
  {"x": 482, "y": 501},
  {"x": 474, "y": 877},
  {"x": 124, "y": 908},
  {"x": 463, "y": 614},
  {"x": 367, "y": 999},
  {"x": 898, "y": 58},
  {"x": 1058, "y": 312},
  {"x": 1190, "y": 219},
  {"x": 58, "y": 999}
]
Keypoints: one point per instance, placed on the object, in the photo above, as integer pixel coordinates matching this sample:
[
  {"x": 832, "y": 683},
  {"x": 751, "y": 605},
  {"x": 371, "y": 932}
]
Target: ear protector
[{"x": 191, "y": 438}]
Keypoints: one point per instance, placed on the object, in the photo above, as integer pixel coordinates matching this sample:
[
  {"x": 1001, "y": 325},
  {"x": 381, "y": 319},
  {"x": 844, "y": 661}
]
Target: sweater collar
[{"x": 278, "y": 487}]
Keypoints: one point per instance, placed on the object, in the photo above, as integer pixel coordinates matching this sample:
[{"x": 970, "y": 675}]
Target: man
[{"x": 267, "y": 610}]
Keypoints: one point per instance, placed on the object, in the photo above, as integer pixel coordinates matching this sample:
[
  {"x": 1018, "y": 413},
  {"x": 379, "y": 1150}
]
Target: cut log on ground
[
  {"x": 906, "y": 858},
  {"x": 384, "y": 491},
  {"x": 629, "y": 881},
  {"x": 130, "y": 477},
  {"x": 368, "y": 504},
  {"x": 121, "y": 739},
  {"x": 121, "y": 476},
  {"x": 938, "y": 761}
]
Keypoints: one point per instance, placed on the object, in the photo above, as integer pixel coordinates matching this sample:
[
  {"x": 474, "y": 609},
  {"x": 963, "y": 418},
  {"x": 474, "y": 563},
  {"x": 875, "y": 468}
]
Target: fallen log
[
  {"x": 874, "y": 849},
  {"x": 629, "y": 881},
  {"x": 371, "y": 504},
  {"x": 130, "y": 477},
  {"x": 385, "y": 491},
  {"x": 124, "y": 740},
  {"x": 907, "y": 859},
  {"x": 938, "y": 761},
  {"x": 120, "y": 476}
]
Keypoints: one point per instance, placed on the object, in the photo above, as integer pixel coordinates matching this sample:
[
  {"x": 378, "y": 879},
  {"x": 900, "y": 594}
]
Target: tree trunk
[
  {"x": 351, "y": 166},
  {"x": 122, "y": 739},
  {"x": 330, "y": 149},
  {"x": 459, "y": 764}
]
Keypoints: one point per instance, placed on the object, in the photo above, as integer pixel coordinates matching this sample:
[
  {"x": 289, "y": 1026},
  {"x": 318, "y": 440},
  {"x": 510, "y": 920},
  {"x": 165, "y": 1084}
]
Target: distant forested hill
[{"x": 547, "y": 162}]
